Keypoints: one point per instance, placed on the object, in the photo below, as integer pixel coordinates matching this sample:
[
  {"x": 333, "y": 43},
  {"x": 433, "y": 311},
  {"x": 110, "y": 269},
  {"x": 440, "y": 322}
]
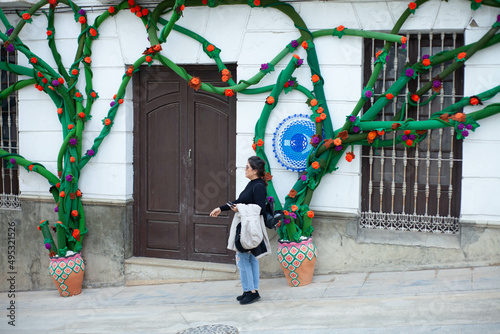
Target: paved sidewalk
[{"x": 465, "y": 300}]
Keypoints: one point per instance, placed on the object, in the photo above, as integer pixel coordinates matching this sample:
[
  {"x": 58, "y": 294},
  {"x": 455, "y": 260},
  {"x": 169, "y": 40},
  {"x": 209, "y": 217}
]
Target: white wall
[{"x": 251, "y": 36}]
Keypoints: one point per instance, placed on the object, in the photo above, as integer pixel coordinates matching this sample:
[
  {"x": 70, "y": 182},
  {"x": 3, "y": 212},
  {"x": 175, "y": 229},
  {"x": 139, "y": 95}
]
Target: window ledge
[{"x": 404, "y": 238}]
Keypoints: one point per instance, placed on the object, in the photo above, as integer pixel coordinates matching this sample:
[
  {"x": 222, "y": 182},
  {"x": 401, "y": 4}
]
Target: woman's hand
[
  {"x": 234, "y": 208},
  {"x": 215, "y": 212}
]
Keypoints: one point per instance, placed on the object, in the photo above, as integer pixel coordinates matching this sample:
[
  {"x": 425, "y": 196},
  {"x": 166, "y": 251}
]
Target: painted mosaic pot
[
  {"x": 297, "y": 260},
  {"x": 67, "y": 273}
]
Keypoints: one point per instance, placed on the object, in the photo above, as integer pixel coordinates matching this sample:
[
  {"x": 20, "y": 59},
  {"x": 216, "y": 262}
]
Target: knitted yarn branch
[{"x": 329, "y": 144}]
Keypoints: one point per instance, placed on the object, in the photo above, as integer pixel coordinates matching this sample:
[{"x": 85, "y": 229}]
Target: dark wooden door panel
[
  {"x": 184, "y": 158},
  {"x": 163, "y": 158}
]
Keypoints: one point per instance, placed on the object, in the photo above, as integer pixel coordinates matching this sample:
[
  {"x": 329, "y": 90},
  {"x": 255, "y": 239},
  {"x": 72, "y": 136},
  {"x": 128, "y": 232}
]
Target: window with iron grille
[
  {"x": 9, "y": 180},
  {"x": 414, "y": 188}
]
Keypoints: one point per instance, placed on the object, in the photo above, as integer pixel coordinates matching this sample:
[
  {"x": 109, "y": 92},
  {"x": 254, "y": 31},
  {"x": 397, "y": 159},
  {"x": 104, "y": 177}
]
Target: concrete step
[{"x": 147, "y": 270}]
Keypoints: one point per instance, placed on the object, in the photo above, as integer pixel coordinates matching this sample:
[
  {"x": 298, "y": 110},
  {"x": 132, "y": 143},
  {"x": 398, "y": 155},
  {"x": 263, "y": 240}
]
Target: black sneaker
[
  {"x": 242, "y": 296},
  {"x": 250, "y": 298}
]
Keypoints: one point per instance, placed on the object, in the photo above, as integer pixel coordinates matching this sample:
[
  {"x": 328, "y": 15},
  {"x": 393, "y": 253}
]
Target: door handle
[{"x": 189, "y": 158}]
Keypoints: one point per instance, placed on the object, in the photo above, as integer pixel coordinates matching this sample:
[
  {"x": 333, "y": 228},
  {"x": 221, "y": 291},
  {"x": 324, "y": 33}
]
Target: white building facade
[{"x": 249, "y": 37}]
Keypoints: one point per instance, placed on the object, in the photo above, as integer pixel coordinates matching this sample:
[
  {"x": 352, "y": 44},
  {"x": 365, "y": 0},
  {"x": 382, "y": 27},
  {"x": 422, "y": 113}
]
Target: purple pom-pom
[
  {"x": 403, "y": 46},
  {"x": 465, "y": 133},
  {"x": 461, "y": 126},
  {"x": 368, "y": 93},
  {"x": 352, "y": 118},
  {"x": 286, "y": 221},
  {"x": 294, "y": 43},
  {"x": 498, "y": 18},
  {"x": 81, "y": 11},
  {"x": 90, "y": 152},
  {"x": 468, "y": 126},
  {"x": 47, "y": 245},
  {"x": 270, "y": 199},
  {"x": 112, "y": 103},
  {"x": 299, "y": 62},
  {"x": 55, "y": 83},
  {"x": 56, "y": 209},
  {"x": 409, "y": 72},
  {"x": 10, "y": 47},
  {"x": 293, "y": 215},
  {"x": 425, "y": 57},
  {"x": 69, "y": 177},
  {"x": 404, "y": 137},
  {"x": 12, "y": 160},
  {"x": 387, "y": 58},
  {"x": 291, "y": 83},
  {"x": 264, "y": 67},
  {"x": 303, "y": 177},
  {"x": 9, "y": 32},
  {"x": 412, "y": 137},
  {"x": 73, "y": 141},
  {"x": 355, "y": 129},
  {"x": 315, "y": 140},
  {"x": 436, "y": 84},
  {"x": 338, "y": 148}
]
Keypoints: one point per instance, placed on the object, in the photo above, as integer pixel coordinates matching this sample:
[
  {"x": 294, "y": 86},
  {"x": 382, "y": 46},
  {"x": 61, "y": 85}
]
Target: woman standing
[{"x": 254, "y": 193}]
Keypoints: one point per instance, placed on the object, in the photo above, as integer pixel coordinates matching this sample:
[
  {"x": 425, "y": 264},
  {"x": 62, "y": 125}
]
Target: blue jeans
[{"x": 249, "y": 271}]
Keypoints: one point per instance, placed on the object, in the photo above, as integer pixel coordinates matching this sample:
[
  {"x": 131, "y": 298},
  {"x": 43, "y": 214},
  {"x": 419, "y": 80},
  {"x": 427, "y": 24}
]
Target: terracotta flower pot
[
  {"x": 67, "y": 273},
  {"x": 297, "y": 260}
]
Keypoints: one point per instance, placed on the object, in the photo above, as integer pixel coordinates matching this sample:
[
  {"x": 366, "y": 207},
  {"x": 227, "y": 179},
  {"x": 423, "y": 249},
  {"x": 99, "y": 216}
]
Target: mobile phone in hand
[{"x": 230, "y": 204}]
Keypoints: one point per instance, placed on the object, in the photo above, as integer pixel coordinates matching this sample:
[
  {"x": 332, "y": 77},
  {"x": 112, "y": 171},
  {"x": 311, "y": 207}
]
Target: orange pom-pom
[
  {"x": 270, "y": 100},
  {"x": 74, "y": 213},
  {"x": 107, "y": 121},
  {"x": 81, "y": 114},
  {"x": 315, "y": 78},
  {"x": 59, "y": 111},
  {"x": 70, "y": 126},
  {"x": 210, "y": 48},
  {"x": 82, "y": 20},
  {"x": 62, "y": 194},
  {"x": 260, "y": 142},
  {"x": 315, "y": 165},
  {"x": 389, "y": 96},
  {"x": 426, "y": 62},
  {"x": 314, "y": 102}
]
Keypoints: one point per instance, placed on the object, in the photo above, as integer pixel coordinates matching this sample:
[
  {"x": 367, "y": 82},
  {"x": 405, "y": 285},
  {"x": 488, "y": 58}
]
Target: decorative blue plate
[{"x": 291, "y": 142}]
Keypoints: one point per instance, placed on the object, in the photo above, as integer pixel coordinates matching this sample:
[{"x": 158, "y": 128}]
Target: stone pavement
[{"x": 465, "y": 300}]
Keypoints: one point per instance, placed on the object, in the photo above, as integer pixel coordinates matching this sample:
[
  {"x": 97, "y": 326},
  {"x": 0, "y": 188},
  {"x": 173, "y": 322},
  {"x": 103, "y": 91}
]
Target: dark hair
[{"x": 259, "y": 165}]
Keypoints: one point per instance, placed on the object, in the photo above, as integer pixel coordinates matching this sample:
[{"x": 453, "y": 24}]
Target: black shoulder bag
[{"x": 271, "y": 217}]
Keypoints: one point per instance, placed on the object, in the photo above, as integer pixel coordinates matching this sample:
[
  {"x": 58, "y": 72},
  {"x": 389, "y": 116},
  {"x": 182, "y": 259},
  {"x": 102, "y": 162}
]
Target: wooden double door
[{"x": 184, "y": 165}]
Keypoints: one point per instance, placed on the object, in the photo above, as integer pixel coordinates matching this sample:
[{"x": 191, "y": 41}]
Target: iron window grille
[
  {"x": 9, "y": 177},
  {"x": 417, "y": 188}
]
